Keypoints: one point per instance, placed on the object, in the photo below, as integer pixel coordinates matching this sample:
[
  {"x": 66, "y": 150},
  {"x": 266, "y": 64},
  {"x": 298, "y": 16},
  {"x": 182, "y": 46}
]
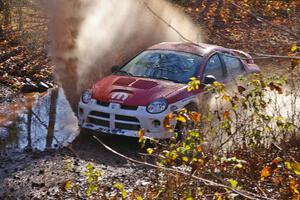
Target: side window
[
  {"x": 214, "y": 67},
  {"x": 234, "y": 65}
]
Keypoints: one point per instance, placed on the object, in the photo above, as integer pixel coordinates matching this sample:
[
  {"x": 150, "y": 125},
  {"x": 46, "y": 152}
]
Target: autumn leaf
[
  {"x": 294, "y": 186},
  {"x": 277, "y": 160},
  {"x": 273, "y": 87},
  {"x": 199, "y": 148},
  {"x": 141, "y": 135},
  {"x": 167, "y": 121},
  {"x": 226, "y": 115},
  {"x": 226, "y": 98},
  {"x": 194, "y": 116},
  {"x": 181, "y": 118},
  {"x": 265, "y": 172},
  {"x": 241, "y": 89},
  {"x": 294, "y": 48},
  {"x": 67, "y": 185},
  {"x": 296, "y": 167},
  {"x": 235, "y": 98},
  {"x": 193, "y": 84}
]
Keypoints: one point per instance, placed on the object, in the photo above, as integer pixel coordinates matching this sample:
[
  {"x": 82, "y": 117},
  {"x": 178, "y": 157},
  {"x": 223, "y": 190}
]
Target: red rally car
[{"x": 153, "y": 84}]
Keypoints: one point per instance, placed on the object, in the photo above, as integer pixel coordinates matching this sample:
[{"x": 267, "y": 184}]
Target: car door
[
  {"x": 215, "y": 67},
  {"x": 235, "y": 69},
  {"x": 233, "y": 65}
]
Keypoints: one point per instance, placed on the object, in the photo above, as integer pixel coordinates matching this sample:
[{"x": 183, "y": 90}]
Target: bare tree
[
  {"x": 52, "y": 118},
  {"x": 29, "y": 121},
  {"x": 6, "y": 12}
]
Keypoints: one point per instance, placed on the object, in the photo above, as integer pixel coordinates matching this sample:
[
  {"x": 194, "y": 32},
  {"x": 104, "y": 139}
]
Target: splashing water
[{"x": 88, "y": 37}]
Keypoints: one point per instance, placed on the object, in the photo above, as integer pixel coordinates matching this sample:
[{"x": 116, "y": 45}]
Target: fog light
[
  {"x": 156, "y": 123},
  {"x": 173, "y": 108},
  {"x": 80, "y": 111}
]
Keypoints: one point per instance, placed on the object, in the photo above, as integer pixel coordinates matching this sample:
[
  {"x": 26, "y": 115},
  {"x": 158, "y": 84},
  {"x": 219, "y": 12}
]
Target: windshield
[{"x": 162, "y": 64}]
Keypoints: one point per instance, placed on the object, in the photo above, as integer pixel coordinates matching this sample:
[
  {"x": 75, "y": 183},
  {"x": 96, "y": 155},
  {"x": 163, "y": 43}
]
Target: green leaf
[
  {"x": 239, "y": 165},
  {"x": 89, "y": 167},
  {"x": 68, "y": 185},
  {"x": 124, "y": 194},
  {"x": 69, "y": 165},
  {"x": 294, "y": 48},
  {"x": 90, "y": 179},
  {"x": 98, "y": 173},
  {"x": 150, "y": 151},
  {"x": 139, "y": 198},
  {"x": 119, "y": 186},
  {"x": 88, "y": 193},
  {"x": 233, "y": 182},
  {"x": 185, "y": 159}
]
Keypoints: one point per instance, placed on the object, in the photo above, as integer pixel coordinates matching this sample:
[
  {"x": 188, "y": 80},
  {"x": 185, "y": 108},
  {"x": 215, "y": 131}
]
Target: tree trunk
[
  {"x": 218, "y": 18},
  {"x": 29, "y": 121},
  {"x": 6, "y": 12},
  {"x": 52, "y": 118},
  {"x": 20, "y": 18}
]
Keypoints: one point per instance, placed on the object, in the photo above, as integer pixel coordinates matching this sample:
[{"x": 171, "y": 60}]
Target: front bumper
[{"x": 117, "y": 119}]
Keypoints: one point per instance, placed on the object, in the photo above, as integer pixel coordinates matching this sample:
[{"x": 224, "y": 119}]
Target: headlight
[
  {"x": 157, "y": 106},
  {"x": 86, "y": 96}
]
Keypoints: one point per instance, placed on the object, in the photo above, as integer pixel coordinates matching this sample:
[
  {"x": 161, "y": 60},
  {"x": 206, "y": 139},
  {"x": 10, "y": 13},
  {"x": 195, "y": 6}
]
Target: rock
[
  {"x": 29, "y": 88},
  {"x": 42, "y": 87}
]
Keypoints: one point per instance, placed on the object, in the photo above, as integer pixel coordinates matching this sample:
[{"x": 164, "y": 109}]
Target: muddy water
[{"x": 37, "y": 122}]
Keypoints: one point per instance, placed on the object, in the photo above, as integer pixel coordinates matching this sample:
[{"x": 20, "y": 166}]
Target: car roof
[{"x": 201, "y": 49}]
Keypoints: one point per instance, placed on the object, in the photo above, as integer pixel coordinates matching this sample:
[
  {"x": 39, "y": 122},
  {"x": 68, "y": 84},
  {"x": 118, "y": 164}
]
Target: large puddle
[{"x": 38, "y": 122}]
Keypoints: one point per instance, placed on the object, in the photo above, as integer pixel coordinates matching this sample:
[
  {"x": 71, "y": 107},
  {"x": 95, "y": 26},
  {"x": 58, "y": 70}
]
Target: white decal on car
[{"x": 119, "y": 96}]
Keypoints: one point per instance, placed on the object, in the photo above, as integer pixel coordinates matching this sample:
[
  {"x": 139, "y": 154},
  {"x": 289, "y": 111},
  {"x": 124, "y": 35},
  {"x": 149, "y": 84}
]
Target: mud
[
  {"x": 39, "y": 135},
  {"x": 41, "y": 175}
]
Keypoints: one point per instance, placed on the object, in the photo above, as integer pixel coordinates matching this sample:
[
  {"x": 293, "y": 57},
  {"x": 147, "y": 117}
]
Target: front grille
[
  {"x": 99, "y": 122},
  {"x": 126, "y": 118},
  {"x": 131, "y": 127},
  {"x": 125, "y": 107},
  {"x": 100, "y": 114},
  {"x": 102, "y": 103}
]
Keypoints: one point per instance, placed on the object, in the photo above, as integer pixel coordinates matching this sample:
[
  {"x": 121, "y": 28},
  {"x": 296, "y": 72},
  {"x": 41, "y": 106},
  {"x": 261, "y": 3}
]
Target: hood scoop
[
  {"x": 132, "y": 82},
  {"x": 124, "y": 81},
  {"x": 144, "y": 84}
]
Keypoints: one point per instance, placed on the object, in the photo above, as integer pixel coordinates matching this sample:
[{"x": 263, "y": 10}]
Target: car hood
[{"x": 134, "y": 91}]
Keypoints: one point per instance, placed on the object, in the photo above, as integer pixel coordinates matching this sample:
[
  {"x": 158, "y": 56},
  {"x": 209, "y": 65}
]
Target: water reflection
[{"x": 46, "y": 122}]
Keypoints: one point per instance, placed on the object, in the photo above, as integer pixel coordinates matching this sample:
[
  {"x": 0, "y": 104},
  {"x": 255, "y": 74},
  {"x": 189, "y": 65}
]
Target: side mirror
[
  {"x": 115, "y": 68},
  {"x": 209, "y": 79}
]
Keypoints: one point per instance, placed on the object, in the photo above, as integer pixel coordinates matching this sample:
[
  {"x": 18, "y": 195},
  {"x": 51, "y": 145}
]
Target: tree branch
[
  {"x": 246, "y": 194},
  {"x": 261, "y": 56}
]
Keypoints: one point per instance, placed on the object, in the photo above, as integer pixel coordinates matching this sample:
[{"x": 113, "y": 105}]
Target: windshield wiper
[
  {"x": 125, "y": 72},
  {"x": 167, "y": 79}
]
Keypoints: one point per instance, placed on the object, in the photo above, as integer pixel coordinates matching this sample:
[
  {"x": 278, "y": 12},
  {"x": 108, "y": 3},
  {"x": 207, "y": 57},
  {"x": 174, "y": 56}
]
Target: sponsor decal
[{"x": 121, "y": 96}]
